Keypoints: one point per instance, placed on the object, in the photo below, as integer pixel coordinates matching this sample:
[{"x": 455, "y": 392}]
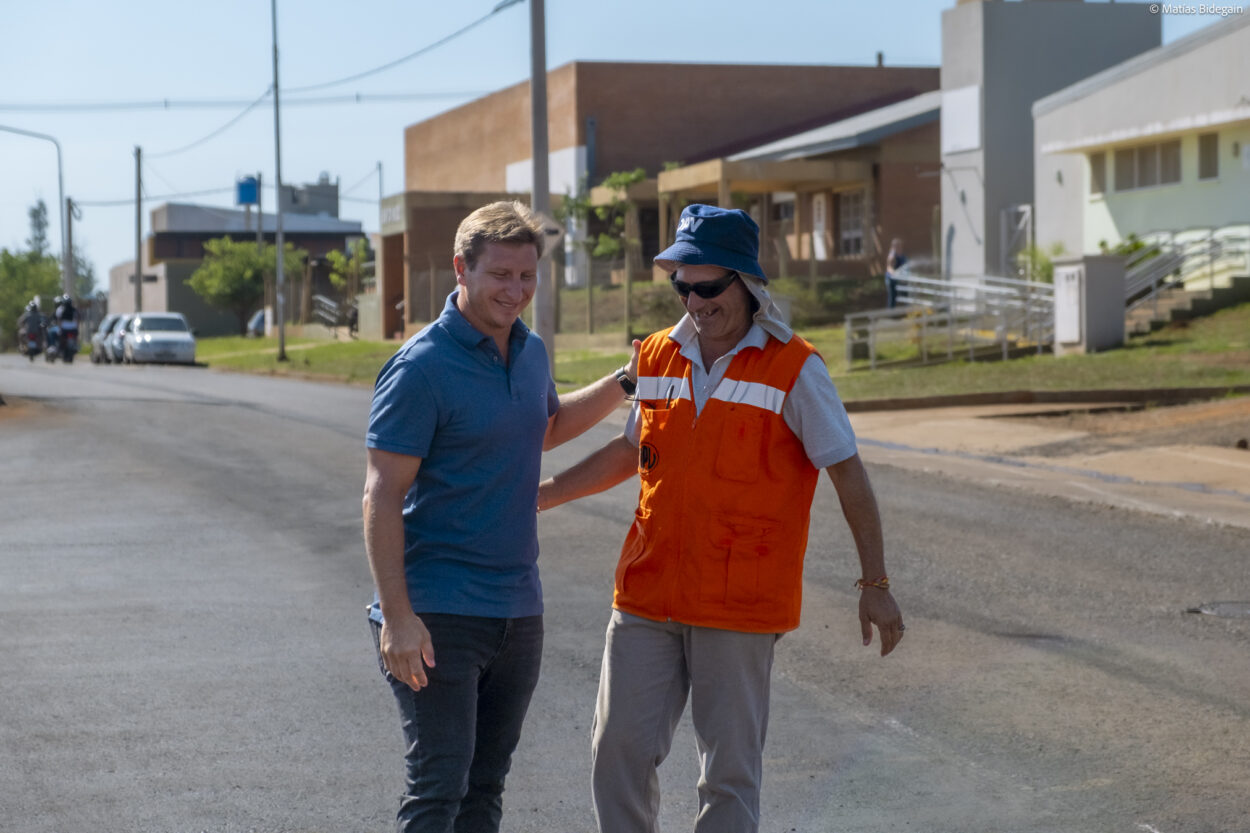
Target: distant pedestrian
[
  {"x": 894, "y": 262},
  {"x": 460, "y": 417}
]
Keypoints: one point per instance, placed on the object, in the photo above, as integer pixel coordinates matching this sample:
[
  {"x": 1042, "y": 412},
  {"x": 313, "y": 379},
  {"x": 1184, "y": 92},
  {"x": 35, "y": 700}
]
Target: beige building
[{"x": 175, "y": 249}]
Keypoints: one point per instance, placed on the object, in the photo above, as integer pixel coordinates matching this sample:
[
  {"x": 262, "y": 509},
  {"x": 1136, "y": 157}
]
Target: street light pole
[
  {"x": 277, "y": 149},
  {"x": 67, "y": 257},
  {"x": 544, "y": 294},
  {"x": 138, "y": 229}
]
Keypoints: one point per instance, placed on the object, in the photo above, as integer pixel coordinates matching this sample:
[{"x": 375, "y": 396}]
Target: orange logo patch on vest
[{"x": 648, "y": 456}]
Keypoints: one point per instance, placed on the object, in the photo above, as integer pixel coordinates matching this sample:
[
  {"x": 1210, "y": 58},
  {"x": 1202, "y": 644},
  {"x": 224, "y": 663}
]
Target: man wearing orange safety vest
[{"x": 733, "y": 418}]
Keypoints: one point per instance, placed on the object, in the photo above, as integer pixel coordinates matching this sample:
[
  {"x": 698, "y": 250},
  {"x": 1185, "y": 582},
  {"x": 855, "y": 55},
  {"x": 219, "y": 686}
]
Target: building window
[
  {"x": 1170, "y": 161},
  {"x": 1148, "y": 165},
  {"x": 1209, "y": 156},
  {"x": 1097, "y": 172},
  {"x": 851, "y": 223},
  {"x": 1125, "y": 165},
  {"x": 782, "y": 210}
]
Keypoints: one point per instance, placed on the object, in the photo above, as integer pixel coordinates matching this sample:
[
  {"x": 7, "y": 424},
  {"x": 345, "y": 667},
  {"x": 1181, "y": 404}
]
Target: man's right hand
[{"x": 407, "y": 650}]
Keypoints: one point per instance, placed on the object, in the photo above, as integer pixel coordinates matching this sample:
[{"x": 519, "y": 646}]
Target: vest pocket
[
  {"x": 742, "y": 441},
  {"x": 737, "y": 560},
  {"x": 633, "y": 550}
]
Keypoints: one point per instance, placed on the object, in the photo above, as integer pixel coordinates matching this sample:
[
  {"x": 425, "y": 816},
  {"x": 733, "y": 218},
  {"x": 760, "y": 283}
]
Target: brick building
[{"x": 605, "y": 117}]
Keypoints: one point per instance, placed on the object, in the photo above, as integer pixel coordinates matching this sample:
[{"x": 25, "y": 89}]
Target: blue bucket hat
[{"x": 711, "y": 236}]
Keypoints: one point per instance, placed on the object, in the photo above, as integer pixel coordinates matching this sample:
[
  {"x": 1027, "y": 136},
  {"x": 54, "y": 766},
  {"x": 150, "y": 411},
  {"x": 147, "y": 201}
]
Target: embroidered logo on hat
[{"x": 712, "y": 236}]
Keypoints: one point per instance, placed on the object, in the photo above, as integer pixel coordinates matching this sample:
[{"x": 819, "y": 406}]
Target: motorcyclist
[
  {"x": 65, "y": 310},
  {"x": 30, "y": 326},
  {"x": 67, "y": 326},
  {"x": 30, "y": 319}
]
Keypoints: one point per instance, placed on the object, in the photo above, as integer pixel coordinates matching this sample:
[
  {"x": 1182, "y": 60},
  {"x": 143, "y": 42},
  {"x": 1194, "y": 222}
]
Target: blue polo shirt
[{"x": 477, "y": 423}]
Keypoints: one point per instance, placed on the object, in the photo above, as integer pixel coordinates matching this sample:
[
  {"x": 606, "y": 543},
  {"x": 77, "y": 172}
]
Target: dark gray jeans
[{"x": 460, "y": 730}]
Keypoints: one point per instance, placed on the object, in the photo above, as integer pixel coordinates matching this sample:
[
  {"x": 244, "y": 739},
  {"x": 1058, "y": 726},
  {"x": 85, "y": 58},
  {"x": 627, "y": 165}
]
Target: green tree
[
  {"x": 233, "y": 274},
  {"x": 1038, "y": 264},
  {"x": 37, "y": 243},
  {"x": 347, "y": 268},
  {"x": 22, "y": 277},
  {"x": 613, "y": 242},
  {"x": 27, "y": 274}
]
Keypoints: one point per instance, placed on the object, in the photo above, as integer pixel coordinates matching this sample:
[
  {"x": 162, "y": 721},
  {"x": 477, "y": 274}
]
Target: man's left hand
[
  {"x": 877, "y": 607},
  {"x": 631, "y": 369}
]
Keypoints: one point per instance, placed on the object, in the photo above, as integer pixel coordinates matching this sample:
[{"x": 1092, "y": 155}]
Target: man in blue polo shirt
[{"x": 460, "y": 417}]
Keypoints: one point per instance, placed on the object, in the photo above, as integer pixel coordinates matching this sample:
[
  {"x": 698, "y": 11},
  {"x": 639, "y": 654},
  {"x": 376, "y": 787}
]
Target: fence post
[
  {"x": 924, "y": 349},
  {"x": 850, "y": 350}
]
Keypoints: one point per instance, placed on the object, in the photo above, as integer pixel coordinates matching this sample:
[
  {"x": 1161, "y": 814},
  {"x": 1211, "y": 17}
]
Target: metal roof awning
[
  {"x": 719, "y": 178},
  {"x": 857, "y": 131}
]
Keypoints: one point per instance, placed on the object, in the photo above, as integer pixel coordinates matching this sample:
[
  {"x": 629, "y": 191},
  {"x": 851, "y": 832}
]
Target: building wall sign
[{"x": 391, "y": 216}]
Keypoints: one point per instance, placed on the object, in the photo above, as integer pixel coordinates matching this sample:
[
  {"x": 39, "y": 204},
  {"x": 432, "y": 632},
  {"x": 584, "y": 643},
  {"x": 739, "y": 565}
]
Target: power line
[
  {"x": 150, "y": 168},
  {"x": 223, "y": 103},
  {"x": 372, "y": 173},
  {"x": 204, "y": 193},
  {"x": 216, "y": 132},
  {"x": 498, "y": 8},
  {"x": 147, "y": 196}
]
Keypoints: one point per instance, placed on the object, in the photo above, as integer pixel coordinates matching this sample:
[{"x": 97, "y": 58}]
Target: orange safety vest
[{"x": 721, "y": 525}]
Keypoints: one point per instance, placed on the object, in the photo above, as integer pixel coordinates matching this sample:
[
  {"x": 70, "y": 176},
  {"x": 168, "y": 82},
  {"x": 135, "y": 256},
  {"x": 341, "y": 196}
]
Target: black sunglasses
[{"x": 706, "y": 289}]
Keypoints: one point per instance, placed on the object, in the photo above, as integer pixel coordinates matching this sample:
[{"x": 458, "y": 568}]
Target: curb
[{"x": 1159, "y": 396}]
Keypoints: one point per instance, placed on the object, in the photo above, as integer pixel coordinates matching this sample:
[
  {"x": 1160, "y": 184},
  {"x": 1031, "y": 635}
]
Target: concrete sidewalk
[{"x": 994, "y": 445}]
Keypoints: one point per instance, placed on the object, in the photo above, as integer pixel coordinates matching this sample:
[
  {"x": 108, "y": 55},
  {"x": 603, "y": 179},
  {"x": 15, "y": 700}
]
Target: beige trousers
[{"x": 649, "y": 669}]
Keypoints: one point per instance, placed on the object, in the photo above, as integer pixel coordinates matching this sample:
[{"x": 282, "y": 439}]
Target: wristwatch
[{"x": 627, "y": 384}]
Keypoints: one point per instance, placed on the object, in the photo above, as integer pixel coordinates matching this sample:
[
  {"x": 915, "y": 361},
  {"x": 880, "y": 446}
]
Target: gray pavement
[
  {"x": 996, "y": 445},
  {"x": 189, "y": 653}
]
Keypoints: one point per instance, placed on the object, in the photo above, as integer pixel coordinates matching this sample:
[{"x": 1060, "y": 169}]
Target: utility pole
[
  {"x": 69, "y": 244},
  {"x": 277, "y": 150},
  {"x": 544, "y": 294},
  {"x": 260, "y": 215},
  {"x": 379, "y": 185},
  {"x": 138, "y": 229}
]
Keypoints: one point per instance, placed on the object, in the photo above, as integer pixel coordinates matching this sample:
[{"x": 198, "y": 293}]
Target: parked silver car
[
  {"x": 100, "y": 351},
  {"x": 158, "y": 337},
  {"x": 116, "y": 340}
]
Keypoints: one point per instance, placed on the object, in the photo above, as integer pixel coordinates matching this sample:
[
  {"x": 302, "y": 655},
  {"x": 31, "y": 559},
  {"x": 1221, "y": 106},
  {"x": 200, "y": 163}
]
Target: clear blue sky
[{"x": 65, "y": 52}]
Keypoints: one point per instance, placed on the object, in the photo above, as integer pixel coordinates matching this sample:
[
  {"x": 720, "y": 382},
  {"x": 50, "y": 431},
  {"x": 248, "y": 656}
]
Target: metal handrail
[
  {"x": 971, "y": 310},
  {"x": 1172, "y": 259}
]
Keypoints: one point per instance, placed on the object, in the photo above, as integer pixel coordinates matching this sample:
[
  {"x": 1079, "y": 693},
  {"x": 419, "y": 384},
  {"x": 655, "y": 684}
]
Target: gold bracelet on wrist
[{"x": 882, "y": 583}]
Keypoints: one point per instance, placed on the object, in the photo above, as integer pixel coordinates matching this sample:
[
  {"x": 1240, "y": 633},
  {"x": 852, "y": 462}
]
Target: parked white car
[
  {"x": 158, "y": 337},
  {"x": 99, "y": 339}
]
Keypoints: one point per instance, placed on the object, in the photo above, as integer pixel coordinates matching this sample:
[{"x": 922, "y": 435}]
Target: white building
[
  {"x": 1159, "y": 144},
  {"x": 998, "y": 58}
]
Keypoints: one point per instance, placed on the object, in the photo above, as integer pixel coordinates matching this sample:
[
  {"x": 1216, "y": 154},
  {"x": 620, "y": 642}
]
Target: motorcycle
[
  {"x": 68, "y": 340},
  {"x": 28, "y": 342}
]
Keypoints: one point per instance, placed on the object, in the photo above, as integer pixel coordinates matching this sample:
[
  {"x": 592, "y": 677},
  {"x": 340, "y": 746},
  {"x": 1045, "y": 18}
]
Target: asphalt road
[{"x": 182, "y": 593}]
